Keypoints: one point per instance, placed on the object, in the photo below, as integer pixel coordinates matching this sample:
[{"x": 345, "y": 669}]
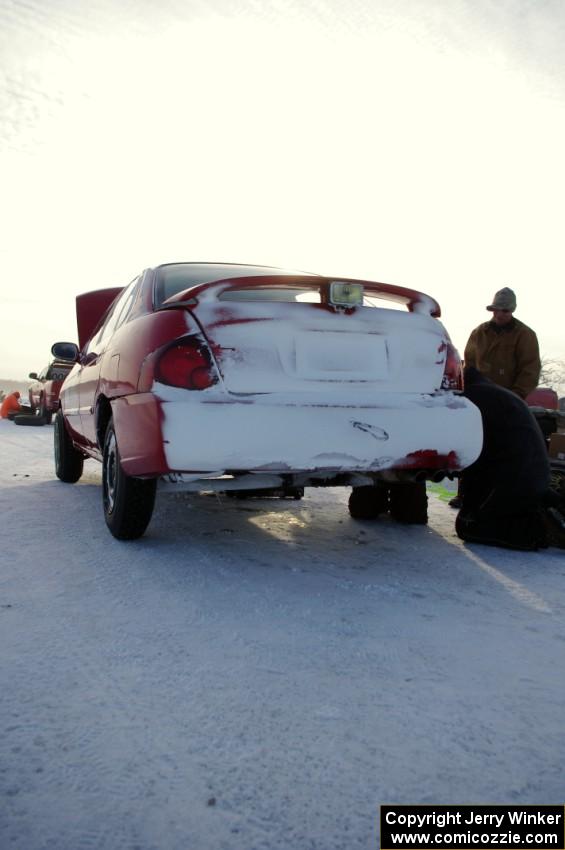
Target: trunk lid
[{"x": 273, "y": 336}]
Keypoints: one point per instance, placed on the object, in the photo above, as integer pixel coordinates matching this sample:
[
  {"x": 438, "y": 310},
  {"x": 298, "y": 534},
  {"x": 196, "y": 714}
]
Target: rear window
[
  {"x": 295, "y": 295},
  {"x": 383, "y": 303},
  {"x": 58, "y": 371},
  {"x": 173, "y": 278},
  {"x": 271, "y": 293},
  {"x": 176, "y": 277}
]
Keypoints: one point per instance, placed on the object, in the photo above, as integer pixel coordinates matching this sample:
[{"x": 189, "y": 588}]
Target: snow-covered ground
[{"x": 260, "y": 674}]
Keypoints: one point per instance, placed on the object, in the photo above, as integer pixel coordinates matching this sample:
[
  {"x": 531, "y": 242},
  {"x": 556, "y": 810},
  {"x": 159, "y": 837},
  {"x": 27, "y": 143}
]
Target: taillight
[
  {"x": 453, "y": 369},
  {"x": 186, "y": 363}
]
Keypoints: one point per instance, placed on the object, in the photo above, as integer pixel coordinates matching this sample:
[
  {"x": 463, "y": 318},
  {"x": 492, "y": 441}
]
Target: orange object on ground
[{"x": 11, "y": 404}]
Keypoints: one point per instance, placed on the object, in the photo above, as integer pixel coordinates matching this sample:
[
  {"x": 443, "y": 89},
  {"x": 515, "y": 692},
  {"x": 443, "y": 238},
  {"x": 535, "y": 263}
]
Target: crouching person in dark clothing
[{"x": 505, "y": 491}]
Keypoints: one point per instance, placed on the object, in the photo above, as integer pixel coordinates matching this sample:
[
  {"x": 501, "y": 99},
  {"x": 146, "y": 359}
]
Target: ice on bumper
[{"x": 281, "y": 434}]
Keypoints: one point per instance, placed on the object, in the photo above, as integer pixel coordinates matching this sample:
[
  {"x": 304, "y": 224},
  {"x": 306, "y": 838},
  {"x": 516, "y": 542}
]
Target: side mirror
[
  {"x": 33, "y": 376},
  {"x": 65, "y": 351}
]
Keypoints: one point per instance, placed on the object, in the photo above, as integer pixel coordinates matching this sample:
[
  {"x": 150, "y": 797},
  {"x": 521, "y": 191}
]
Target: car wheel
[
  {"x": 68, "y": 461},
  {"x": 368, "y": 502},
  {"x": 128, "y": 502},
  {"x": 409, "y": 502}
]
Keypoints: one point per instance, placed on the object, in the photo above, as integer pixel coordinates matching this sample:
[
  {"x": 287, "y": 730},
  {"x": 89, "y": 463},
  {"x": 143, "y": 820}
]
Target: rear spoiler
[{"x": 415, "y": 301}]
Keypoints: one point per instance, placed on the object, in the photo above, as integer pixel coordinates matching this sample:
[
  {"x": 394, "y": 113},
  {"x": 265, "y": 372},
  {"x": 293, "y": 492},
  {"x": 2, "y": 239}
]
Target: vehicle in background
[
  {"x": 43, "y": 393},
  {"x": 544, "y": 404},
  {"x": 543, "y": 397},
  {"x": 223, "y": 377}
]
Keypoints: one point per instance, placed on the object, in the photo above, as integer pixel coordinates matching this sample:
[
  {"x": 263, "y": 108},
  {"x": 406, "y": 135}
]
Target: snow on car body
[{"x": 217, "y": 376}]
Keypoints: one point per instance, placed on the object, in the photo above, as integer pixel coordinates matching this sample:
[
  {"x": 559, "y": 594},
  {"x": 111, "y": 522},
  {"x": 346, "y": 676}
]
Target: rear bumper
[{"x": 278, "y": 435}]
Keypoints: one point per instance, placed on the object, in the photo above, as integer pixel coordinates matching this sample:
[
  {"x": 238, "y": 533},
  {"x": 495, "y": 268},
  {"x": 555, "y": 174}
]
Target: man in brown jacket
[{"x": 505, "y": 350}]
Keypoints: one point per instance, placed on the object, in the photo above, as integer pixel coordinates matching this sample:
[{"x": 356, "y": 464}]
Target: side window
[
  {"x": 124, "y": 310},
  {"x": 118, "y": 314}
]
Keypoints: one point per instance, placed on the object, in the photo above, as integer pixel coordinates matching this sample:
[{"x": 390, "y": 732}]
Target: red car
[
  {"x": 543, "y": 398},
  {"x": 230, "y": 377},
  {"x": 44, "y": 391}
]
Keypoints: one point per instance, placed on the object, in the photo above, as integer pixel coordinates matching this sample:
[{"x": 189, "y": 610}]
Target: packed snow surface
[{"x": 260, "y": 674}]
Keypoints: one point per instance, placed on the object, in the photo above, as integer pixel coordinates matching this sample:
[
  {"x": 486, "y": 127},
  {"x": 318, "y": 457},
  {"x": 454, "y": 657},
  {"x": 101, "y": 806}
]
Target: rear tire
[
  {"x": 368, "y": 502},
  {"x": 69, "y": 462},
  {"x": 128, "y": 502},
  {"x": 409, "y": 502},
  {"x": 295, "y": 493}
]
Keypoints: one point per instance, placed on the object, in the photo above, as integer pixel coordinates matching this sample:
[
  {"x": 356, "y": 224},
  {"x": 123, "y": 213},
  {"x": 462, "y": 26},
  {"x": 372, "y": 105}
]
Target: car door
[{"x": 97, "y": 362}]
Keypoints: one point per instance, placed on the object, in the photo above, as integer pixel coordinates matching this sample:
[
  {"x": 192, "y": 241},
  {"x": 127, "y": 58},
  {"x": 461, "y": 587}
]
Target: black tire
[
  {"x": 28, "y": 419},
  {"x": 409, "y": 502},
  {"x": 128, "y": 502},
  {"x": 368, "y": 502},
  {"x": 558, "y": 483},
  {"x": 68, "y": 461}
]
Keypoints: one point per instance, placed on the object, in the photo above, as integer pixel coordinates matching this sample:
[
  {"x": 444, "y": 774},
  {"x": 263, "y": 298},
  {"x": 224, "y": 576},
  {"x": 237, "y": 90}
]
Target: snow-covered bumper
[{"x": 277, "y": 434}]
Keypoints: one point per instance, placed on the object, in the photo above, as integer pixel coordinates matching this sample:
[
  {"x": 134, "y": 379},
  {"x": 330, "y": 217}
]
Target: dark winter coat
[
  {"x": 507, "y": 355},
  {"x": 512, "y": 472}
]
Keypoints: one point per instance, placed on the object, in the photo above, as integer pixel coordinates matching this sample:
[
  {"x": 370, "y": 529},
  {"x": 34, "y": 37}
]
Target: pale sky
[{"x": 416, "y": 143}]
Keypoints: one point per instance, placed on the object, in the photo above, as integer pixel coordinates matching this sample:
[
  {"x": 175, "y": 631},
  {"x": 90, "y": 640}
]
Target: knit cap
[{"x": 504, "y": 299}]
